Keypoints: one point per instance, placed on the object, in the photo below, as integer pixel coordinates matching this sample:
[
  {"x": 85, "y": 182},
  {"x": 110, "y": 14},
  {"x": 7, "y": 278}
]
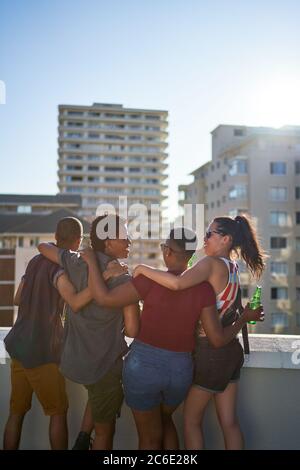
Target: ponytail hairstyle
[{"x": 244, "y": 241}]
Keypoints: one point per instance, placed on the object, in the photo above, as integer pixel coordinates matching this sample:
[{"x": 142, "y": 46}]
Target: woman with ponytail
[{"x": 217, "y": 371}]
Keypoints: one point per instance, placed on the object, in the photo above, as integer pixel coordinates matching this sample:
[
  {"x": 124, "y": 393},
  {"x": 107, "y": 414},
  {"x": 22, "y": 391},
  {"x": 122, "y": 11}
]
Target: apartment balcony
[
  {"x": 82, "y": 139},
  {"x": 126, "y": 131},
  {"x": 268, "y": 405},
  {"x": 123, "y": 173},
  {"x": 103, "y": 149},
  {"x": 125, "y": 162},
  {"x": 162, "y": 122}
]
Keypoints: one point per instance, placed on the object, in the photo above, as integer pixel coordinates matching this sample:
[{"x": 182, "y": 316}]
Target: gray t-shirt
[{"x": 94, "y": 337}]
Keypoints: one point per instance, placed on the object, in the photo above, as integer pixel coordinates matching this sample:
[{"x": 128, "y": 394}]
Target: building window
[
  {"x": 297, "y": 244},
  {"x": 297, "y": 218},
  {"x": 218, "y": 203},
  {"x": 223, "y": 198},
  {"x": 74, "y": 168},
  {"x": 212, "y": 205},
  {"x": 224, "y": 178},
  {"x": 298, "y": 319},
  {"x": 278, "y": 242},
  {"x": 297, "y": 269},
  {"x": 278, "y": 218},
  {"x": 279, "y": 293},
  {"x": 212, "y": 167},
  {"x": 218, "y": 164},
  {"x": 238, "y": 132},
  {"x": 297, "y": 167},
  {"x": 297, "y": 192},
  {"x": 238, "y": 191},
  {"x": 34, "y": 241},
  {"x": 278, "y": 168},
  {"x": 278, "y": 194},
  {"x": 238, "y": 167},
  {"x": 75, "y": 113},
  {"x": 297, "y": 293},
  {"x": 24, "y": 209},
  {"x": 279, "y": 268},
  {"x": 280, "y": 319},
  {"x": 114, "y": 169},
  {"x": 218, "y": 184},
  {"x": 21, "y": 242}
]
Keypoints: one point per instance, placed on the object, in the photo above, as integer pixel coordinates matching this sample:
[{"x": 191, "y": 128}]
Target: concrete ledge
[
  {"x": 266, "y": 351},
  {"x": 268, "y": 402},
  {"x": 273, "y": 351}
]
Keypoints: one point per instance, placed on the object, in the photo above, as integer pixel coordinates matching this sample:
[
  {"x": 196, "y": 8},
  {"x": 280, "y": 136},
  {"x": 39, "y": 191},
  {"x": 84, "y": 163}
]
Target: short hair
[
  {"x": 68, "y": 230},
  {"x": 109, "y": 231},
  {"x": 185, "y": 239}
]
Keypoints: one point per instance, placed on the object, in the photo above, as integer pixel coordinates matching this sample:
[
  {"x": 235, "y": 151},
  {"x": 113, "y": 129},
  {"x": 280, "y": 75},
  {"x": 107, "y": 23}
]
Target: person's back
[
  {"x": 36, "y": 337},
  {"x": 35, "y": 342},
  {"x": 94, "y": 342},
  {"x": 169, "y": 318},
  {"x": 94, "y": 335}
]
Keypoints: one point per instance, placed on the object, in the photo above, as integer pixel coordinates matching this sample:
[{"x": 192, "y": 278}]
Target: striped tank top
[{"x": 226, "y": 298}]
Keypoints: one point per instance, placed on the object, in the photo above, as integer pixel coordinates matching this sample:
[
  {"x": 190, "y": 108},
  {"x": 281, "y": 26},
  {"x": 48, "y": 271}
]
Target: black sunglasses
[{"x": 209, "y": 233}]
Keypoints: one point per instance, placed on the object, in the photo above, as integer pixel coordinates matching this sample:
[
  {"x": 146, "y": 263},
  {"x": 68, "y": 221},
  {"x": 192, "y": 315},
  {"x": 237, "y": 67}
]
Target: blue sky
[{"x": 206, "y": 62}]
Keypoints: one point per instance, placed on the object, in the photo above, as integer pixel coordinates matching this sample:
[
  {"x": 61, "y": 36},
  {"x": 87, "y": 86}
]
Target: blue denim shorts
[{"x": 154, "y": 376}]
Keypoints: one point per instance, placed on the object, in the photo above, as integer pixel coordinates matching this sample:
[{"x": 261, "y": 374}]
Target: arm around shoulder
[{"x": 50, "y": 251}]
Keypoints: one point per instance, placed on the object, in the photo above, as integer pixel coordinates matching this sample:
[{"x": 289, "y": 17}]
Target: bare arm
[
  {"x": 76, "y": 300},
  {"x": 132, "y": 320},
  {"x": 219, "y": 336},
  {"x": 120, "y": 296},
  {"x": 50, "y": 251},
  {"x": 114, "y": 269},
  {"x": 200, "y": 272},
  {"x": 17, "y": 297}
]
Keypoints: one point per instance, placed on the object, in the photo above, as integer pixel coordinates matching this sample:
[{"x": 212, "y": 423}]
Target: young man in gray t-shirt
[{"x": 94, "y": 341}]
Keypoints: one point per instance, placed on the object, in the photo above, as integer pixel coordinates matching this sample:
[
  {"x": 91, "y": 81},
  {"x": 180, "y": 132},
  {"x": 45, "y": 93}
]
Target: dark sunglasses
[{"x": 209, "y": 233}]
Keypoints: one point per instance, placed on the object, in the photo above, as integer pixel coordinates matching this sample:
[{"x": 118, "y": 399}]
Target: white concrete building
[
  {"x": 257, "y": 170},
  {"x": 107, "y": 151}
]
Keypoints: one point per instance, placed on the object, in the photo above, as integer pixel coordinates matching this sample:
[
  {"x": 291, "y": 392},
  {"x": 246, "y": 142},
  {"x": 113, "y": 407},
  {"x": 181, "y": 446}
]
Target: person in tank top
[{"x": 216, "y": 370}]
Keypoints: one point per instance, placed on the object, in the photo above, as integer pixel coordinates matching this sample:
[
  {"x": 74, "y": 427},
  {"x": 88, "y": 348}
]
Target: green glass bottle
[
  {"x": 192, "y": 260},
  {"x": 255, "y": 301}
]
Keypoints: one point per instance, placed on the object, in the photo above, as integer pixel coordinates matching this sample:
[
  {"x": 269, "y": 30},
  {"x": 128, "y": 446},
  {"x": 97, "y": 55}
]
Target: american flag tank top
[{"x": 227, "y": 297}]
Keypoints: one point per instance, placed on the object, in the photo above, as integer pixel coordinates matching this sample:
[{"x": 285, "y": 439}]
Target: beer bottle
[
  {"x": 192, "y": 260},
  {"x": 255, "y": 301}
]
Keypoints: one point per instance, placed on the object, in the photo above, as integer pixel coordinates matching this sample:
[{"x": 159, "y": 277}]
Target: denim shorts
[{"x": 154, "y": 376}]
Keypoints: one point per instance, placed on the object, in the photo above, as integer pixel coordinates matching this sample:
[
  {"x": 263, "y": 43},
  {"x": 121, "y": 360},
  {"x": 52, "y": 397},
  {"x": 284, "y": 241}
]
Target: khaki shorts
[
  {"x": 45, "y": 381},
  {"x": 215, "y": 368},
  {"x": 106, "y": 396}
]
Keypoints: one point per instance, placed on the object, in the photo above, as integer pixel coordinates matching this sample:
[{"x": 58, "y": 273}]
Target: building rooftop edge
[{"x": 108, "y": 106}]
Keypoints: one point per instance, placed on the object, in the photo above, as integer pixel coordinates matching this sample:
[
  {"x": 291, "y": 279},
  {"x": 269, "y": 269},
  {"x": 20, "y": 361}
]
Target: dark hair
[
  {"x": 244, "y": 241},
  {"x": 68, "y": 230},
  {"x": 97, "y": 243},
  {"x": 185, "y": 239}
]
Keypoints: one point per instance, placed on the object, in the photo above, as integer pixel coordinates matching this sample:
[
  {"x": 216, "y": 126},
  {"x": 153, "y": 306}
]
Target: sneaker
[{"x": 83, "y": 441}]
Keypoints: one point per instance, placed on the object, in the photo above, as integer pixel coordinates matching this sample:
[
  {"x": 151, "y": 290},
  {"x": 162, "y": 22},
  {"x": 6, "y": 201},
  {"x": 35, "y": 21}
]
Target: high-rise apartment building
[
  {"x": 107, "y": 151},
  {"x": 256, "y": 170}
]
